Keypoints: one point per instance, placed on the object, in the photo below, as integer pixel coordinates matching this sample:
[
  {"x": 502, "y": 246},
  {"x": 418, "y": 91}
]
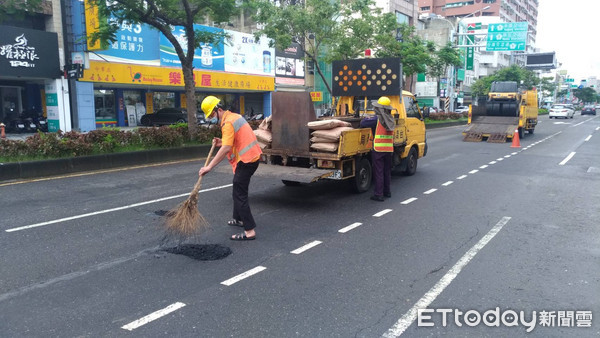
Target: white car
[
  {"x": 561, "y": 110},
  {"x": 462, "y": 109}
]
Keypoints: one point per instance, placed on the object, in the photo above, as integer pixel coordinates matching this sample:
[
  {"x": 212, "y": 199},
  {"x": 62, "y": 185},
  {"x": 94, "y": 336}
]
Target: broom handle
[{"x": 199, "y": 182}]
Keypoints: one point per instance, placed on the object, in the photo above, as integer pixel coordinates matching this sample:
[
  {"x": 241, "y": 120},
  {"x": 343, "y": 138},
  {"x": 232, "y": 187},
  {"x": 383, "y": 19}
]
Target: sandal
[
  {"x": 241, "y": 237},
  {"x": 235, "y": 223}
]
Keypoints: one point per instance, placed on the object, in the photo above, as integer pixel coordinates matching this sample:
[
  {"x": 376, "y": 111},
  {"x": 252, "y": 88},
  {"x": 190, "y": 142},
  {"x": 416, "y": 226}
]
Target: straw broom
[{"x": 186, "y": 220}]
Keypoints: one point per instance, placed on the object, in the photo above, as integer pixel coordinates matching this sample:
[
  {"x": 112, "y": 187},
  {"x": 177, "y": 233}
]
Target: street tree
[
  {"x": 547, "y": 86},
  {"x": 325, "y": 30},
  {"x": 18, "y": 9},
  {"x": 442, "y": 59},
  {"x": 586, "y": 94},
  {"x": 163, "y": 15}
]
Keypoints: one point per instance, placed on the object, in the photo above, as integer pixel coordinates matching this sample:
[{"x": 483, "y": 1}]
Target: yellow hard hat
[
  {"x": 384, "y": 102},
  {"x": 208, "y": 104}
]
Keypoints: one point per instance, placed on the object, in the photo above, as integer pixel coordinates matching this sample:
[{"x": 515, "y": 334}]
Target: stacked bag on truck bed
[
  {"x": 263, "y": 134},
  {"x": 326, "y": 134}
]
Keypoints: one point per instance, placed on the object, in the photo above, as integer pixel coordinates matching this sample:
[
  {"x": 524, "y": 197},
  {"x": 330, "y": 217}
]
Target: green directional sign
[
  {"x": 507, "y": 36},
  {"x": 569, "y": 80}
]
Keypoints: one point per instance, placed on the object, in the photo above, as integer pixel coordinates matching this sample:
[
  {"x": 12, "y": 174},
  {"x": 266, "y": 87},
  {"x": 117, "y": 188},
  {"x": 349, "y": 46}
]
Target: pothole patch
[
  {"x": 161, "y": 212},
  {"x": 201, "y": 252}
]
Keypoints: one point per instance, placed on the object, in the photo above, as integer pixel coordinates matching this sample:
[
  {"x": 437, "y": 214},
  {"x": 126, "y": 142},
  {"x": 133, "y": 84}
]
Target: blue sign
[
  {"x": 137, "y": 43},
  {"x": 207, "y": 56}
]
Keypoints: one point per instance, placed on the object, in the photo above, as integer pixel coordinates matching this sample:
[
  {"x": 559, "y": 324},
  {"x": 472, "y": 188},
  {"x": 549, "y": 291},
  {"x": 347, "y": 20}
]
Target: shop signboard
[
  {"x": 289, "y": 65},
  {"x": 52, "y": 106},
  {"x": 207, "y": 56},
  {"x": 28, "y": 53},
  {"x": 135, "y": 43},
  {"x": 245, "y": 54},
  {"x": 316, "y": 96},
  {"x": 115, "y": 73}
]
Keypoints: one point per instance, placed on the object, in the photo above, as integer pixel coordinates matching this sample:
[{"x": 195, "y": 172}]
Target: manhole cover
[{"x": 201, "y": 252}]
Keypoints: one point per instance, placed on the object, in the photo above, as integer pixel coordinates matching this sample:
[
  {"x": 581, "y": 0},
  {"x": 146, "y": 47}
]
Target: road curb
[{"x": 35, "y": 169}]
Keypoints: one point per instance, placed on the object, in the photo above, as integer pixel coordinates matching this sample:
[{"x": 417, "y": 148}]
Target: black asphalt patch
[
  {"x": 201, "y": 252},
  {"x": 161, "y": 212}
]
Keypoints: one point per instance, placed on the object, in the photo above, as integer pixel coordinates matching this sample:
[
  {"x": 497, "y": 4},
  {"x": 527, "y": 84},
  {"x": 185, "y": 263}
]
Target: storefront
[
  {"x": 28, "y": 62},
  {"x": 140, "y": 73}
]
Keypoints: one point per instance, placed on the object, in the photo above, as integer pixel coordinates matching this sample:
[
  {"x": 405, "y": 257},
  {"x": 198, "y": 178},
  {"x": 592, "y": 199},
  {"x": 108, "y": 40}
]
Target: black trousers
[{"x": 241, "y": 181}]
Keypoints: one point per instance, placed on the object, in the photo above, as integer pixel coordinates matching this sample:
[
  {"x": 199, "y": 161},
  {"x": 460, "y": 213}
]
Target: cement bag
[
  {"x": 327, "y": 124},
  {"x": 264, "y": 136},
  {"x": 318, "y": 139},
  {"x": 264, "y": 145},
  {"x": 265, "y": 124},
  {"x": 332, "y": 134},
  {"x": 325, "y": 146}
]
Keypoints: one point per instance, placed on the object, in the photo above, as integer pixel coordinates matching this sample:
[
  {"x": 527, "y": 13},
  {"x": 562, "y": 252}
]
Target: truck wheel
[
  {"x": 411, "y": 162},
  {"x": 530, "y": 131},
  {"x": 362, "y": 180},
  {"x": 290, "y": 183},
  {"x": 521, "y": 133}
]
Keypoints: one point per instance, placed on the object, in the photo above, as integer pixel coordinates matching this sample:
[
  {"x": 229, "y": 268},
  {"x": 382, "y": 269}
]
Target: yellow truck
[
  {"x": 356, "y": 83},
  {"x": 506, "y": 109}
]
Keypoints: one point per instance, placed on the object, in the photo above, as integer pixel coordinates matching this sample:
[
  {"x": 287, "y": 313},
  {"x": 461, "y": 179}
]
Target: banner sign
[
  {"x": 162, "y": 76},
  {"x": 28, "y": 53},
  {"x": 289, "y": 63},
  {"x": 136, "y": 43},
  {"x": 92, "y": 24},
  {"x": 244, "y": 54},
  {"x": 208, "y": 56}
]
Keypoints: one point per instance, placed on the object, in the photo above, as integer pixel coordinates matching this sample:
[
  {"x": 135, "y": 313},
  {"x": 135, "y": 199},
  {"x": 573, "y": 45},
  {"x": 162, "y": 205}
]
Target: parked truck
[
  {"x": 506, "y": 109},
  {"x": 355, "y": 83}
]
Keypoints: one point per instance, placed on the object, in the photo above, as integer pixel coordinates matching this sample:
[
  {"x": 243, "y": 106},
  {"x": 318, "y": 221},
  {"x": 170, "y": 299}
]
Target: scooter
[{"x": 15, "y": 124}]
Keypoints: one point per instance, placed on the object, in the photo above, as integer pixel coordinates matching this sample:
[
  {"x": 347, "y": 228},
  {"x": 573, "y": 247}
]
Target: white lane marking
[
  {"x": 514, "y": 153},
  {"x": 597, "y": 128},
  {"x": 499, "y": 159},
  {"x": 447, "y": 183},
  {"x": 506, "y": 156},
  {"x": 483, "y": 166},
  {"x": 461, "y": 177},
  {"x": 579, "y": 123},
  {"x": 493, "y": 162},
  {"x": 430, "y": 191},
  {"x": 473, "y": 171},
  {"x": 305, "y": 247},
  {"x": 588, "y": 138},
  {"x": 110, "y": 210},
  {"x": 410, "y": 200},
  {"x": 153, "y": 316},
  {"x": 408, "y": 318},
  {"x": 243, "y": 275},
  {"x": 567, "y": 158},
  {"x": 382, "y": 212},
  {"x": 350, "y": 227}
]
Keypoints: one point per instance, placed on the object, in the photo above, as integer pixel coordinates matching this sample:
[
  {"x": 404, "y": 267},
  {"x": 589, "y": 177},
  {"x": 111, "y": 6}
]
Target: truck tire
[
  {"x": 362, "y": 178},
  {"x": 530, "y": 131},
  {"x": 411, "y": 162},
  {"x": 521, "y": 132}
]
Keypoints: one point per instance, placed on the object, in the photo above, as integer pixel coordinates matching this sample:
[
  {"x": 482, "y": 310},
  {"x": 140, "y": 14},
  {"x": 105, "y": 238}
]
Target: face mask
[{"x": 214, "y": 120}]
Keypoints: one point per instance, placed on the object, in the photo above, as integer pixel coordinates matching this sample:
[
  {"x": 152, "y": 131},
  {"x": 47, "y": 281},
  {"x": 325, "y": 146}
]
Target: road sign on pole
[{"x": 507, "y": 36}]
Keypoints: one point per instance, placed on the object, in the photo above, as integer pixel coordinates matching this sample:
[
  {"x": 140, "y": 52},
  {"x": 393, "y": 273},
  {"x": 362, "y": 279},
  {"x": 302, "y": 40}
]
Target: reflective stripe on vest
[
  {"x": 245, "y": 146},
  {"x": 384, "y": 139}
]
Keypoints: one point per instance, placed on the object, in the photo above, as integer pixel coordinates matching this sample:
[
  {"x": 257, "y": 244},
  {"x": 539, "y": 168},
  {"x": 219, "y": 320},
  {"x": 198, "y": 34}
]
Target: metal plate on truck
[{"x": 296, "y": 174}]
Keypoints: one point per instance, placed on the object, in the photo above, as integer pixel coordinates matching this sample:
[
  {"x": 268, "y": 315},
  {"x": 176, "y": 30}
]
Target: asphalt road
[{"x": 480, "y": 227}]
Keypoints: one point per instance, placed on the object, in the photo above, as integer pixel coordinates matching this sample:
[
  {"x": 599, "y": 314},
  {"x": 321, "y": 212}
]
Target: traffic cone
[
  {"x": 516, "y": 143},
  {"x": 2, "y": 133}
]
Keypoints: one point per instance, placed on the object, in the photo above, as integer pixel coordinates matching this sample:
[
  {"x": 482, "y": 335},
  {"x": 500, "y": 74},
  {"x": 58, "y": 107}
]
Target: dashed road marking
[
  {"x": 153, "y": 316},
  {"x": 430, "y": 191},
  {"x": 305, "y": 247},
  {"x": 483, "y": 166},
  {"x": 493, "y": 162},
  {"x": 382, "y": 212},
  {"x": 243, "y": 275},
  {"x": 461, "y": 177},
  {"x": 408, "y": 318},
  {"x": 410, "y": 200},
  {"x": 514, "y": 153},
  {"x": 350, "y": 227},
  {"x": 567, "y": 158},
  {"x": 506, "y": 156},
  {"x": 588, "y": 138},
  {"x": 499, "y": 159},
  {"x": 447, "y": 183},
  {"x": 473, "y": 171}
]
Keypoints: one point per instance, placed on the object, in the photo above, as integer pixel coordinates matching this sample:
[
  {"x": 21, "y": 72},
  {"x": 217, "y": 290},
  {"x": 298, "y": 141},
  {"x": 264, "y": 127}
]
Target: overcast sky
[{"x": 571, "y": 28}]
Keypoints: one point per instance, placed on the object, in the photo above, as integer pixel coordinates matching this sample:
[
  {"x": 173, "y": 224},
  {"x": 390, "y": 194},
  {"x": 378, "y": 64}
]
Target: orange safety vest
[
  {"x": 245, "y": 146},
  {"x": 384, "y": 139}
]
